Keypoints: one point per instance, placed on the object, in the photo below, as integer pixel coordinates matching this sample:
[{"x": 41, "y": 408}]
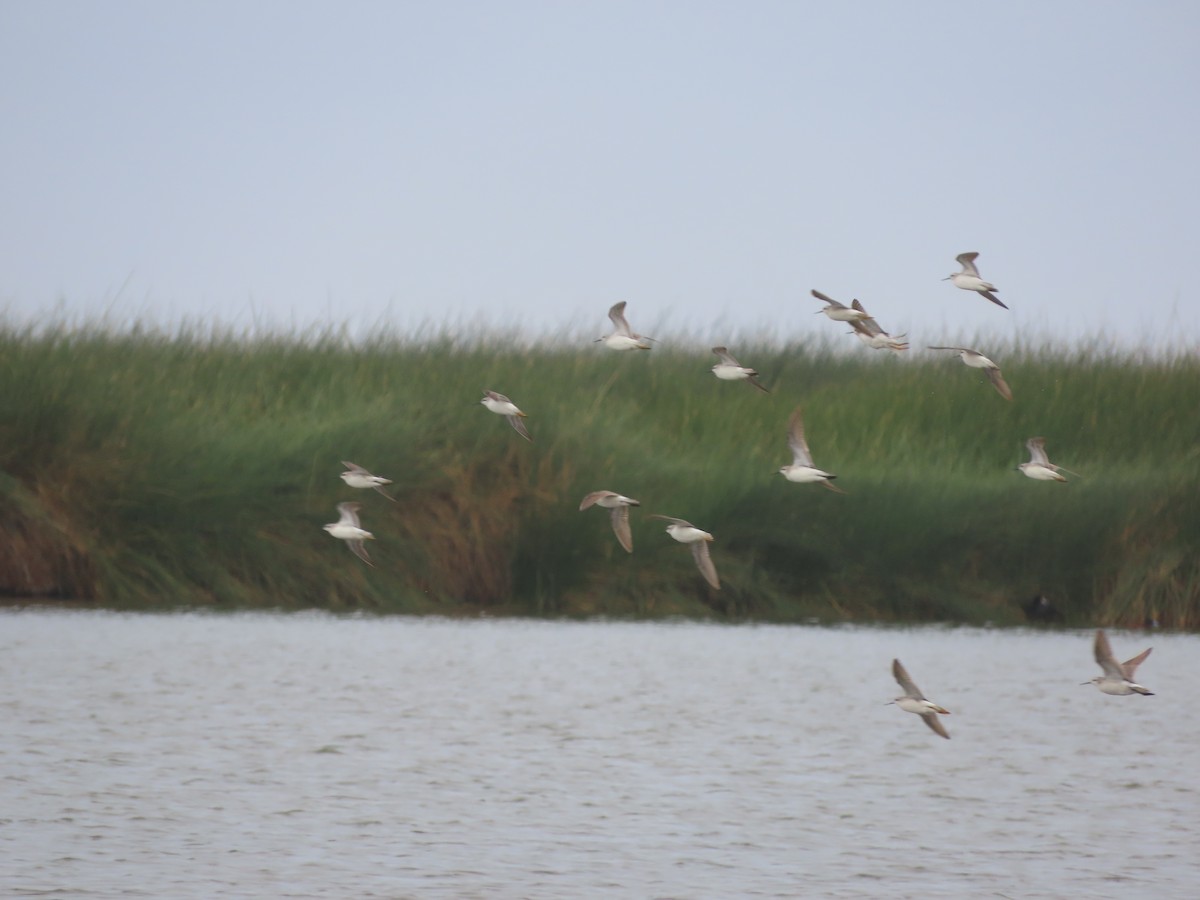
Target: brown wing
[
  {"x": 1130, "y": 665},
  {"x": 620, "y": 526},
  {"x": 999, "y": 383},
  {"x": 932, "y": 720}
]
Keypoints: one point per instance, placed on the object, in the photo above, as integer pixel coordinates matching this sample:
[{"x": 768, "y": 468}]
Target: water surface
[{"x": 313, "y": 756}]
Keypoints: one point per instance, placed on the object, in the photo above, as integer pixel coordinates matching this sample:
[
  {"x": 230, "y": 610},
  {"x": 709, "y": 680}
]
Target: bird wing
[
  {"x": 724, "y": 357},
  {"x": 828, "y": 300},
  {"x": 1104, "y": 656},
  {"x": 800, "y": 453},
  {"x": 620, "y": 526},
  {"x": 967, "y": 261},
  {"x": 1037, "y": 451},
  {"x": 902, "y": 678},
  {"x": 1129, "y": 667},
  {"x": 683, "y": 522},
  {"x": 867, "y": 326},
  {"x": 498, "y": 397},
  {"x": 379, "y": 488},
  {"x": 617, "y": 314},
  {"x": 956, "y": 349},
  {"x": 998, "y": 382},
  {"x": 359, "y": 549},
  {"x": 351, "y": 467},
  {"x": 993, "y": 298},
  {"x": 705, "y": 564},
  {"x": 348, "y": 514},
  {"x": 593, "y": 498},
  {"x": 932, "y": 720},
  {"x": 519, "y": 424},
  {"x": 753, "y": 379}
]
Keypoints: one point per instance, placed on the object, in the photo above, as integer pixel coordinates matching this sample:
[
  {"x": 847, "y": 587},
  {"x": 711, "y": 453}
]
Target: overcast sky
[{"x": 531, "y": 163}]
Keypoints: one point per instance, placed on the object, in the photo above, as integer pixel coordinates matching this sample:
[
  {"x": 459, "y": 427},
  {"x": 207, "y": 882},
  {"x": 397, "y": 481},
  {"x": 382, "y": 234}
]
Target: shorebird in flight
[
  {"x": 1118, "y": 677},
  {"x": 968, "y": 279},
  {"x": 1039, "y": 466},
  {"x": 358, "y": 477},
  {"x": 729, "y": 369},
  {"x": 977, "y": 360},
  {"x": 687, "y": 533},
  {"x": 619, "y": 504},
  {"x": 348, "y": 529},
  {"x": 872, "y": 335},
  {"x": 623, "y": 337},
  {"x": 802, "y": 469},
  {"x": 914, "y": 701},
  {"x": 502, "y": 406},
  {"x": 839, "y": 312}
]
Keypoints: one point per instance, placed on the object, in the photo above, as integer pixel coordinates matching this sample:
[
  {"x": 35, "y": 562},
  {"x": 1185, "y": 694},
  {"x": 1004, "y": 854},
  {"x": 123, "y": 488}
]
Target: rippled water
[{"x": 312, "y": 756}]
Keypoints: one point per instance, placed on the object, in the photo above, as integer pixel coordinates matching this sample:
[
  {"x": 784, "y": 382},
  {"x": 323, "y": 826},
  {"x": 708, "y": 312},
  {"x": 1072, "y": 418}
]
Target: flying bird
[
  {"x": 729, "y": 369},
  {"x": 348, "y": 529},
  {"x": 802, "y": 469},
  {"x": 968, "y": 279},
  {"x": 1118, "y": 677},
  {"x": 623, "y": 337},
  {"x": 687, "y": 533},
  {"x": 1039, "y": 466},
  {"x": 358, "y": 477},
  {"x": 872, "y": 335},
  {"x": 839, "y": 312},
  {"x": 619, "y": 505},
  {"x": 977, "y": 360},
  {"x": 502, "y": 406},
  {"x": 914, "y": 701}
]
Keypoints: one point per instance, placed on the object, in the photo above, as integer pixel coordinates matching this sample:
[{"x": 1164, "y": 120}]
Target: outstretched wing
[
  {"x": 351, "y": 467},
  {"x": 1104, "y": 656},
  {"x": 348, "y": 514},
  {"x": 800, "y": 453},
  {"x": 359, "y": 549},
  {"x": 931, "y": 719},
  {"x": 620, "y": 526},
  {"x": 519, "y": 424},
  {"x": 1129, "y": 667},
  {"x": 1037, "y": 454},
  {"x": 617, "y": 314},
  {"x": 725, "y": 358},
  {"x": 999, "y": 383},
  {"x": 828, "y": 300},
  {"x": 905, "y": 682},
  {"x": 967, "y": 261},
  {"x": 705, "y": 564}
]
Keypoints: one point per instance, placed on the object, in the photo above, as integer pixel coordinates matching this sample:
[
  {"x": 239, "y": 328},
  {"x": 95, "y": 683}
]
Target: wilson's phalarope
[
  {"x": 358, "y": 477},
  {"x": 802, "y": 469},
  {"x": 624, "y": 337},
  {"x": 347, "y": 529},
  {"x": 968, "y": 279},
  {"x": 502, "y": 406},
  {"x": 687, "y": 533},
  {"x": 977, "y": 360},
  {"x": 619, "y": 504},
  {"x": 914, "y": 701},
  {"x": 729, "y": 369},
  {"x": 1118, "y": 677}
]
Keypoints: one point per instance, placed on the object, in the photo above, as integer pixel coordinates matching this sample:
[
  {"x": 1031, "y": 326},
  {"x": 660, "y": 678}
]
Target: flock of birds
[{"x": 1117, "y": 678}]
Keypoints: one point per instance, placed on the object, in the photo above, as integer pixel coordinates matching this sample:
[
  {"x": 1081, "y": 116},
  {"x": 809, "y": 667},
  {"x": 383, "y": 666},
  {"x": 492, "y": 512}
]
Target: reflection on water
[{"x": 312, "y": 756}]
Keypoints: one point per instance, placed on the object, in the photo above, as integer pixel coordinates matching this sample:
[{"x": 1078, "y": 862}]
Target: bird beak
[{"x": 947, "y": 278}]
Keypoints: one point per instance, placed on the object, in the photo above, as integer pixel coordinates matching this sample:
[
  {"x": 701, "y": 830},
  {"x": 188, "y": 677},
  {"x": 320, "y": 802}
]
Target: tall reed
[{"x": 148, "y": 469}]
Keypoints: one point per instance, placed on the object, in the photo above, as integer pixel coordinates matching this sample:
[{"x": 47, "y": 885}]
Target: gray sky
[{"x": 531, "y": 163}]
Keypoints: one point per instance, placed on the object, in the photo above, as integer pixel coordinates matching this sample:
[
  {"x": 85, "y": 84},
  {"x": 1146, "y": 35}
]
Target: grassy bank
[{"x": 149, "y": 470}]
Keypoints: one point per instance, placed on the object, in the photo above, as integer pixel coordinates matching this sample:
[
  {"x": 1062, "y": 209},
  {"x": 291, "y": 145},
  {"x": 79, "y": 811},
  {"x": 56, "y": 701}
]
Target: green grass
[{"x": 150, "y": 470}]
